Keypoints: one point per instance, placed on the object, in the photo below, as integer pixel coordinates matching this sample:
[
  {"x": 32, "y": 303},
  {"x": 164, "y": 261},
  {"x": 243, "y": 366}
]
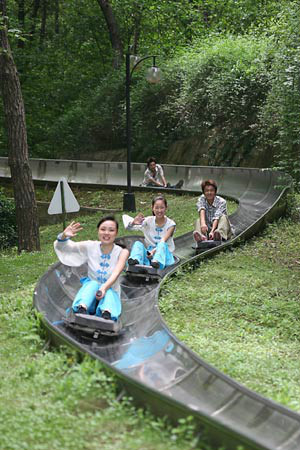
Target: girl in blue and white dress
[
  {"x": 158, "y": 230},
  {"x": 100, "y": 291}
]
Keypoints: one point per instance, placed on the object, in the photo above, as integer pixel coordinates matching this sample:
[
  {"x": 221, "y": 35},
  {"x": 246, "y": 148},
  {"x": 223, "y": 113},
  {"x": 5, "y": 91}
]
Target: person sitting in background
[
  {"x": 213, "y": 222},
  {"x": 154, "y": 176}
]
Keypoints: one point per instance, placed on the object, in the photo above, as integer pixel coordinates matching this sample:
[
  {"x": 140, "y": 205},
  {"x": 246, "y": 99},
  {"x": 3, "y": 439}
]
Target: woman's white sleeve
[
  {"x": 71, "y": 253},
  {"x": 170, "y": 224},
  {"x": 128, "y": 225}
]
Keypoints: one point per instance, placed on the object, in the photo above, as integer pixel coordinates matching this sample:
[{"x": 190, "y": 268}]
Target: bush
[
  {"x": 280, "y": 115},
  {"x": 213, "y": 91},
  {"x": 92, "y": 122},
  {"x": 8, "y": 225}
]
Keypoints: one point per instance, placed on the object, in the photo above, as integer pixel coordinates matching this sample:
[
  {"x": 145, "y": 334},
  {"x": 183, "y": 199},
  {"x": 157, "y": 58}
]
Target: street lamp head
[{"x": 154, "y": 75}]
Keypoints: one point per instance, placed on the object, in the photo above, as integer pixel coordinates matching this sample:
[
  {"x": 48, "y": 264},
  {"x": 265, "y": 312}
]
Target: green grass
[
  {"x": 46, "y": 393},
  {"x": 239, "y": 311}
]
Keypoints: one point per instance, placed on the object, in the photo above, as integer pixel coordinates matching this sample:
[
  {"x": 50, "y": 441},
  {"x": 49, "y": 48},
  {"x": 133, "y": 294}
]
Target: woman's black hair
[
  {"x": 104, "y": 219},
  {"x": 159, "y": 197}
]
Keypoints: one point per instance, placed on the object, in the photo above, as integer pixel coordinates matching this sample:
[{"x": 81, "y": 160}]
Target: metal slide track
[{"x": 153, "y": 366}]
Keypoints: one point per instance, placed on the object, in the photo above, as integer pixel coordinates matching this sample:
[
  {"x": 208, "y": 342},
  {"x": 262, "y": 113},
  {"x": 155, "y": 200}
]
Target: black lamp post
[{"x": 153, "y": 76}]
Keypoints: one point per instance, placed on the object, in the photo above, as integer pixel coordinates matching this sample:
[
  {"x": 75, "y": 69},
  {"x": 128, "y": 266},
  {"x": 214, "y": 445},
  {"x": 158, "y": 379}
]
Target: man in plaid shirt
[{"x": 213, "y": 222}]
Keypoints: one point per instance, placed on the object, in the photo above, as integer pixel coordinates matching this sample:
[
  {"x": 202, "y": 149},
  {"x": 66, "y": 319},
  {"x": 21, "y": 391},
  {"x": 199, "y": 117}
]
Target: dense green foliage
[
  {"x": 8, "y": 227},
  {"x": 213, "y": 90},
  {"x": 281, "y": 112},
  {"x": 231, "y": 78}
]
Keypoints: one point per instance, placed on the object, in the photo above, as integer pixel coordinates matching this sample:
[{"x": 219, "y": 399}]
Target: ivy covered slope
[{"x": 230, "y": 93}]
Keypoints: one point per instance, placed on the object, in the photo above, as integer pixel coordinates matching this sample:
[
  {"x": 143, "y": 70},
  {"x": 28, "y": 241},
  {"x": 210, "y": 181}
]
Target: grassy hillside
[{"x": 239, "y": 311}]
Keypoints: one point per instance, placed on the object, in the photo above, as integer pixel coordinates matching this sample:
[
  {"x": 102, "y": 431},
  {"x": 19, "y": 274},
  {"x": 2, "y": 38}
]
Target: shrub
[
  {"x": 212, "y": 91},
  {"x": 8, "y": 225},
  {"x": 280, "y": 115}
]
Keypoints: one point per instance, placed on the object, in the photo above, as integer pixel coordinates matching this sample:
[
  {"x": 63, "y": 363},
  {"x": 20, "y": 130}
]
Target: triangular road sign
[{"x": 71, "y": 204}]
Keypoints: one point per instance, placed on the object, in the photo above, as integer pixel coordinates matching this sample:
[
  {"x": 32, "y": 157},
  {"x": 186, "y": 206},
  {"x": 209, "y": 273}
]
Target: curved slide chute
[{"x": 153, "y": 366}]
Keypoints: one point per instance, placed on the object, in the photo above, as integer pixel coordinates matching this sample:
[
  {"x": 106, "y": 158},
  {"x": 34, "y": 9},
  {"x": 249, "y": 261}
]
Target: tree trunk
[
  {"x": 57, "y": 16},
  {"x": 21, "y": 19},
  {"x": 114, "y": 33},
  {"x": 36, "y": 5},
  {"x": 44, "y": 21},
  {"x": 206, "y": 14},
  {"x": 26, "y": 208},
  {"x": 137, "y": 27}
]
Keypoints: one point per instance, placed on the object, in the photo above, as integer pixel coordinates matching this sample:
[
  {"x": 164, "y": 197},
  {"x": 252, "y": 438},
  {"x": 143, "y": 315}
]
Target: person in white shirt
[
  {"x": 154, "y": 176},
  {"x": 158, "y": 230},
  {"x": 100, "y": 291}
]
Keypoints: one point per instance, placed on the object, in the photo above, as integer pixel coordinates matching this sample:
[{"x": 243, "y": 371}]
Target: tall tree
[
  {"x": 14, "y": 112},
  {"x": 56, "y": 16},
  {"x": 35, "y": 8},
  {"x": 138, "y": 13},
  {"x": 44, "y": 21},
  {"x": 114, "y": 33},
  {"x": 21, "y": 19}
]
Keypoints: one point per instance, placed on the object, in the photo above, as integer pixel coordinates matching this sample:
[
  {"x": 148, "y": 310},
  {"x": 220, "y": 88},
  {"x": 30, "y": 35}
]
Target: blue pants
[
  {"x": 162, "y": 254},
  {"x": 87, "y": 295}
]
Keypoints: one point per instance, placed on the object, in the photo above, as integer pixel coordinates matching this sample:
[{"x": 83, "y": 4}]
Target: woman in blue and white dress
[
  {"x": 100, "y": 291},
  {"x": 158, "y": 230}
]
